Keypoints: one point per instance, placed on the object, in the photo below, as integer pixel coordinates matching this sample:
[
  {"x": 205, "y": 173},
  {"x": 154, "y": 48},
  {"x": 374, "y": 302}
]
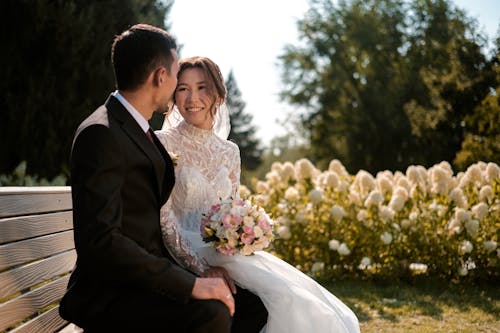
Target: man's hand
[
  {"x": 213, "y": 288},
  {"x": 220, "y": 272}
]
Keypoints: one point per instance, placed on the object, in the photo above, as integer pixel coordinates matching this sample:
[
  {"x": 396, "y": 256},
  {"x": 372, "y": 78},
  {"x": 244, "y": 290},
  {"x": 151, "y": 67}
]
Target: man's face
[{"x": 168, "y": 87}]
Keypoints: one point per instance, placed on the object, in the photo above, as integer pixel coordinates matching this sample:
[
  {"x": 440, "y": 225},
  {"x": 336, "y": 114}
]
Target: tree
[
  {"x": 242, "y": 129},
  {"x": 385, "y": 80},
  {"x": 56, "y": 69}
]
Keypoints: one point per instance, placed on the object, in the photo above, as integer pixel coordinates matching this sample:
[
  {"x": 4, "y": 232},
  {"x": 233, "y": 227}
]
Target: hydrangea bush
[{"x": 421, "y": 222}]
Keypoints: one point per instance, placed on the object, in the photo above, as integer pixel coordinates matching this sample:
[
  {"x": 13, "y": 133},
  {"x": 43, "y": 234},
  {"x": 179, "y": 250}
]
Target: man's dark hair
[{"x": 137, "y": 52}]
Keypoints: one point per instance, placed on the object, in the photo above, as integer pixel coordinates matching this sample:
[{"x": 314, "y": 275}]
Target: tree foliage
[
  {"x": 387, "y": 83},
  {"x": 242, "y": 130},
  {"x": 56, "y": 70}
]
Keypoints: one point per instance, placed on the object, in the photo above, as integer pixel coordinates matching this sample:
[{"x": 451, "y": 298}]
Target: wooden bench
[{"x": 36, "y": 256}]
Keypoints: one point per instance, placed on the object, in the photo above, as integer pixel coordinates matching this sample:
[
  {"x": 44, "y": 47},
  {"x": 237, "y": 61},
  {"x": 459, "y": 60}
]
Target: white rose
[
  {"x": 486, "y": 193},
  {"x": 362, "y": 215},
  {"x": 463, "y": 271},
  {"x": 492, "y": 172},
  {"x": 472, "y": 227},
  {"x": 258, "y": 231},
  {"x": 365, "y": 262}
]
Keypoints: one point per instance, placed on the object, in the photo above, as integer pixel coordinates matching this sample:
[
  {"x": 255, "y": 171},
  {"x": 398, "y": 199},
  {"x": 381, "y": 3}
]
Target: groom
[{"x": 125, "y": 280}]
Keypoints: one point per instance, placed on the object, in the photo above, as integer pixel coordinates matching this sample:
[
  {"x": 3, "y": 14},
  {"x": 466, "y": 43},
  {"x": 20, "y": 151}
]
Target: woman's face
[{"x": 193, "y": 98}]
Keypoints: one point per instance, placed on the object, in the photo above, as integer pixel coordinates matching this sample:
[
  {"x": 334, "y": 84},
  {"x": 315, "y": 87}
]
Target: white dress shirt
[{"x": 133, "y": 111}]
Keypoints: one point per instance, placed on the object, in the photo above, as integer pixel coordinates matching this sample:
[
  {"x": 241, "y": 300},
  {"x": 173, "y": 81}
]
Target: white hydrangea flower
[
  {"x": 287, "y": 171},
  {"x": 355, "y": 198},
  {"x": 480, "y": 210},
  {"x": 455, "y": 226},
  {"x": 343, "y": 250},
  {"x": 492, "y": 172},
  {"x": 418, "y": 267},
  {"x": 304, "y": 169},
  {"x": 337, "y": 212},
  {"x": 463, "y": 271},
  {"x": 277, "y": 167},
  {"x": 362, "y": 215},
  {"x": 405, "y": 223},
  {"x": 284, "y": 232},
  {"x": 301, "y": 217},
  {"x": 386, "y": 237},
  {"x": 365, "y": 181},
  {"x": 384, "y": 183},
  {"x": 273, "y": 177},
  {"x": 396, "y": 203},
  {"x": 462, "y": 215},
  {"x": 262, "y": 187},
  {"x": 458, "y": 197},
  {"x": 364, "y": 263},
  {"x": 472, "y": 227},
  {"x": 331, "y": 179},
  {"x": 333, "y": 244},
  {"x": 490, "y": 246},
  {"x": 244, "y": 192},
  {"x": 403, "y": 182},
  {"x": 465, "y": 247},
  {"x": 486, "y": 193},
  {"x": 386, "y": 213},
  {"x": 291, "y": 194},
  {"x": 338, "y": 168},
  {"x": 374, "y": 199},
  {"x": 474, "y": 174},
  {"x": 343, "y": 186},
  {"x": 317, "y": 267},
  {"x": 401, "y": 192},
  {"x": 315, "y": 196}
]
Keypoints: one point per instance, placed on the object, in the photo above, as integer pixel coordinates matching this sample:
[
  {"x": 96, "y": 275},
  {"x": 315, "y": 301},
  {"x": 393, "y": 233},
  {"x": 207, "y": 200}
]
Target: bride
[{"x": 208, "y": 168}]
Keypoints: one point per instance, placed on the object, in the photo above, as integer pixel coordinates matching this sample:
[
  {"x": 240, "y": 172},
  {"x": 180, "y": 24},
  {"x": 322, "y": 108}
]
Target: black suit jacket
[{"x": 119, "y": 181}]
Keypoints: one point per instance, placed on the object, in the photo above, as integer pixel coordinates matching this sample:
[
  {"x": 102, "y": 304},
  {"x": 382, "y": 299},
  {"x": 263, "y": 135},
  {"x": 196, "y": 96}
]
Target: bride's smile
[{"x": 194, "y": 99}]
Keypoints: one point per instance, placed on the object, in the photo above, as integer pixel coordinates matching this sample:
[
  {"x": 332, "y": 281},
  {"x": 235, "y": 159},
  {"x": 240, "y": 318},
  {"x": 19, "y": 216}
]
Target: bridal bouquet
[{"x": 236, "y": 226}]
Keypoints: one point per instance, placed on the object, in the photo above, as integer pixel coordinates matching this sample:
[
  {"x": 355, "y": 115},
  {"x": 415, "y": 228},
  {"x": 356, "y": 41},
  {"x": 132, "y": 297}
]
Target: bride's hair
[{"x": 213, "y": 75}]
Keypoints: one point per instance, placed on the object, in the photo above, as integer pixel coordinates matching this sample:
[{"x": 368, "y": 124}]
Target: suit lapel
[{"x": 136, "y": 134}]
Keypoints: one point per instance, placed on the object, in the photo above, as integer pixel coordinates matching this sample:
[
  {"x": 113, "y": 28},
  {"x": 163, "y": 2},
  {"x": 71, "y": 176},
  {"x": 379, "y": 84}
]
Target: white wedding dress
[{"x": 208, "y": 168}]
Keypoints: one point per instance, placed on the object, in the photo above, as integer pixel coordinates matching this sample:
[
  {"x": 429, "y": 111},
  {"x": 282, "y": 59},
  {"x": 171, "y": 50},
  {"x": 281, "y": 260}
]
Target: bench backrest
[{"x": 36, "y": 255}]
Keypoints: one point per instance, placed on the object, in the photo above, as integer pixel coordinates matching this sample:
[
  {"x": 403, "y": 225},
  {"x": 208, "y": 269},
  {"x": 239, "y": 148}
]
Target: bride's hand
[
  {"x": 220, "y": 272},
  {"x": 213, "y": 288}
]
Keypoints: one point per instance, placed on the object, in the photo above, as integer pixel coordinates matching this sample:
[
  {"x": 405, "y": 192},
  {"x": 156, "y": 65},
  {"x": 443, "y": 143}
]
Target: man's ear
[{"x": 159, "y": 76}]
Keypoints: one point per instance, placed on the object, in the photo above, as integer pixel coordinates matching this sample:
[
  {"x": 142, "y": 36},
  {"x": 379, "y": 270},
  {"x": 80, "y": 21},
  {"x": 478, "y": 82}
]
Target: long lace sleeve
[
  {"x": 179, "y": 247},
  {"x": 235, "y": 171}
]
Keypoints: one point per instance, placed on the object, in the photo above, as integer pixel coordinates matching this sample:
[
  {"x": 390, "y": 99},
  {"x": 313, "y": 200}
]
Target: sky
[{"x": 248, "y": 36}]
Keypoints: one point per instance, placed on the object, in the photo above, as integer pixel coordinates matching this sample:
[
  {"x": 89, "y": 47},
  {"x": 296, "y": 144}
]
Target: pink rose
[
  {"x": 248, "y": 235},
  {"x": 227, "y": 250},
  {"x": 264, "y": 225}
]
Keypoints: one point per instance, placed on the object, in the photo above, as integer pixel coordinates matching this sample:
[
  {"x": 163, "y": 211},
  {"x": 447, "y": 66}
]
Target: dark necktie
[{"x": 150, "y": 134}]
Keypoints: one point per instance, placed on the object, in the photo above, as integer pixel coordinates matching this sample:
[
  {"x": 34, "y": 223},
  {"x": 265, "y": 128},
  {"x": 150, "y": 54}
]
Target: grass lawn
[{"x": 425, "y": 306}]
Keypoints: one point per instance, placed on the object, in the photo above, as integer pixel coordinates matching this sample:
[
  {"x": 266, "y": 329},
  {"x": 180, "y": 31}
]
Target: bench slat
[
  {"x": 46, "y": 322},
  {"x": 15, "y": 201},
  {"x": 24, "y": 251},
  {"x": 27, "y": 304},
  {"x": 18, "y": 228},
  {"x": 24, "y": 277}
]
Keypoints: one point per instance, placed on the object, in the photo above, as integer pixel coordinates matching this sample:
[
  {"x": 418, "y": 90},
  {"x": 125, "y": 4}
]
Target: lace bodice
[{"x": 206, "y": 168}]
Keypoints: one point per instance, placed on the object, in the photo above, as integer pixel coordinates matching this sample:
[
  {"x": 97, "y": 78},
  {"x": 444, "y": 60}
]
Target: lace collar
[{"x": 194, "y": 132}]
